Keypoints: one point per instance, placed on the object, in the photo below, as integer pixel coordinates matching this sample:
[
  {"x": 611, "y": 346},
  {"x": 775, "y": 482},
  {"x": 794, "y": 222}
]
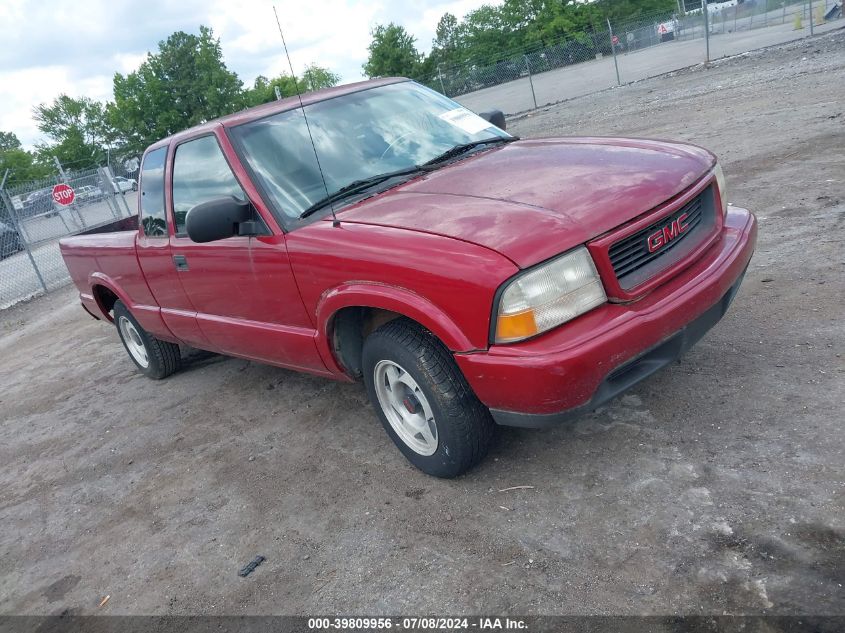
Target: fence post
[
  {"x": 706, "y": 31},
  {"x": 108, "y": 188},
  {"x": 613, "y": 48},
  {"x": 107, "y": 176},
  {"x": 61, "y": 170},
  {"x": 126, "y": 204},
  {"x": 530, "y": 81},
  {"x": 13, "y": 214},
  {"x": 783, "y": 18},
  {"x": 440, "y": 77},
  {"x": 811, "y": 17}
]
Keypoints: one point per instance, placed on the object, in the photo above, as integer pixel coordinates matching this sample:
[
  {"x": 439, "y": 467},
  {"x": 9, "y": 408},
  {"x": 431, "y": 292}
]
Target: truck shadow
[{"x": 195, "y": 358}]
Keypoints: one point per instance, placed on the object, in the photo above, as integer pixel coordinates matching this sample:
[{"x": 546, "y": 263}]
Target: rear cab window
[{"x": 153, "y": 217}]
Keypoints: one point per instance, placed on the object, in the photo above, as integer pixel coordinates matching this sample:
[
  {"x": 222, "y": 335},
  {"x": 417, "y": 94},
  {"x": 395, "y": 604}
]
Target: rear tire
[
  {"x": 155, "y": 359},
  {"x": 423, "y": 400}
]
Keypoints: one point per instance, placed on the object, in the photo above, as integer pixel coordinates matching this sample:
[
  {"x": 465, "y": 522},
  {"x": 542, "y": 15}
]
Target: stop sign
[
  {"x": 63, "y": 194},
  {"x": 615, "y": 39}
]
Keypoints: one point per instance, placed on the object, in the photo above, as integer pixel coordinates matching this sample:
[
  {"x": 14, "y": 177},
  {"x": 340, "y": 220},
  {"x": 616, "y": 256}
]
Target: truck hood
[{"x": 530, "y": 200}]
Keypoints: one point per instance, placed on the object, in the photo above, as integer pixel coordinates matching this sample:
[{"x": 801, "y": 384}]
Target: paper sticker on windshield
[{"x": 468, "y": 121}]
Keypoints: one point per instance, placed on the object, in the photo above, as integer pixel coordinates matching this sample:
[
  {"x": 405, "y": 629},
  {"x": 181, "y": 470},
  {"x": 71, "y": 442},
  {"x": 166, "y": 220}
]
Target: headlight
[
  {"x": 549, "y": 295},
  {"x": 723, "y": 191}
]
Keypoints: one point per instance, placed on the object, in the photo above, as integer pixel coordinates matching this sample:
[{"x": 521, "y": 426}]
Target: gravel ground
[{"x": 715, "y": 487}]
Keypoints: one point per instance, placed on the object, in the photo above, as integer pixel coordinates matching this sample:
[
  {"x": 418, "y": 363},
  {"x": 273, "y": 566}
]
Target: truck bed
[{"x": 110, "y": 253}]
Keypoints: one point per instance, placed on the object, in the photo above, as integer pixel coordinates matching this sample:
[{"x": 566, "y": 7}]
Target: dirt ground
[{"x": 715, "y": 487}]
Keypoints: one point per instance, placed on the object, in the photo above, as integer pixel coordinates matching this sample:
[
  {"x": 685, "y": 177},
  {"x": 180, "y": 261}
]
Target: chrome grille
[{"x": 629, "y": 255}]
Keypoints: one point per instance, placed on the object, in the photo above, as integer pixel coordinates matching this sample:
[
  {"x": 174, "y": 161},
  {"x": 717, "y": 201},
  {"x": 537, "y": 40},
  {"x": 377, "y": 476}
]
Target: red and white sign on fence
[{"x": 63, "y": 194}]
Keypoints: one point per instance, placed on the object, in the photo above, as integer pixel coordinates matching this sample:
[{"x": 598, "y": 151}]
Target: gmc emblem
[{"x": 661, "y": 238}]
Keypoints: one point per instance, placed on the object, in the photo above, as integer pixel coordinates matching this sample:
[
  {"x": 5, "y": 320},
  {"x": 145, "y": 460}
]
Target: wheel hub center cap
[{"x": 411, "y": 404}]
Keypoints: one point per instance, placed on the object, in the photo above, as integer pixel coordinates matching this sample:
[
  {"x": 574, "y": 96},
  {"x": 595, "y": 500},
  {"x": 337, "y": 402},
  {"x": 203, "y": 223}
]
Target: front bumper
[{"x": 586, "y": 362}]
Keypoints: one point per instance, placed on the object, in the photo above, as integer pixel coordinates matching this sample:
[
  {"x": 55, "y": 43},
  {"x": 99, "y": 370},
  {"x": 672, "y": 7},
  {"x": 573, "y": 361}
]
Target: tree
[
  {"x": 446, "y": 48},
  {"x": 21, "y": 165},
  {"x": 392, "y": 53},
  {"x": 8, "y": 140},
  {"x": 264, "y": 90},
  {"x": 78, "y": 129},
  {"x": 316, "y": 77},
  {"x": 494, "y": 33},
  {"x": 185, "y": 83},
  {"x": 485, "y": 33}
]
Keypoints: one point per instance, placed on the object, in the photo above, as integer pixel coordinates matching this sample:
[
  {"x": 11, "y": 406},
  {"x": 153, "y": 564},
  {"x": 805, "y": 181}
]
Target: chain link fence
[
  {"x": 612, "y": 54},
  {"x": 33, "y": 220},
  {"x": 735, "y": 17}
]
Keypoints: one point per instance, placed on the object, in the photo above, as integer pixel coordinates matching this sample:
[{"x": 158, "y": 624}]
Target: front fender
[{"x": 385, "y": 297}]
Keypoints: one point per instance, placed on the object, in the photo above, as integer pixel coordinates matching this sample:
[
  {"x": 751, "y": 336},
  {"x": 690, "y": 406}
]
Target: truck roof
[{"x": 288, "y": 103}]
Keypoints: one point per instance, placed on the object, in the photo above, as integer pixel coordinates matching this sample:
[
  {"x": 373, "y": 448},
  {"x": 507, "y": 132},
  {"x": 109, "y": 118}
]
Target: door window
[{"x": 200, "y": 174}]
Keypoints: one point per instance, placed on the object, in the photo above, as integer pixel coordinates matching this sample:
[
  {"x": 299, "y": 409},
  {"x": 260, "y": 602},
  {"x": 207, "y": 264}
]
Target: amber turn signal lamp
[{"x": 513, "y": 327}]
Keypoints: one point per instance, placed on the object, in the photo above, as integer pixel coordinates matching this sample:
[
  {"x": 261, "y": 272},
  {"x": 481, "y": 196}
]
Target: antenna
[{"x": 335, "y": 221}]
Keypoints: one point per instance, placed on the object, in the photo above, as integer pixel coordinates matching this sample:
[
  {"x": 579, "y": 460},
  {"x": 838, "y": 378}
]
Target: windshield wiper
[
  {"x": 358, "y": 186},
  {"x": 457, "y": 150}
]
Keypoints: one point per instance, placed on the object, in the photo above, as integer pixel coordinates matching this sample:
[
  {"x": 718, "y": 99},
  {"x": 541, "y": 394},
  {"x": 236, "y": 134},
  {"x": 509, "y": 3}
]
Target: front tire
[
  {"x": 423, "y": 400},
  {"x": 154, "y": 358}
]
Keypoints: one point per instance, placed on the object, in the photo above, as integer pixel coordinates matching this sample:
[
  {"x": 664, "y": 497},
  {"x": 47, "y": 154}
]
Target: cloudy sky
[{"x": 51, "y": 47}]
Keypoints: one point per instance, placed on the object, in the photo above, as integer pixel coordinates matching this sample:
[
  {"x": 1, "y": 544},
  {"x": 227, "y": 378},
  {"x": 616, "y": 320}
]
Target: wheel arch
[
  {"x": 106, "y": 293},
  {"x": 346, "y": 315}
]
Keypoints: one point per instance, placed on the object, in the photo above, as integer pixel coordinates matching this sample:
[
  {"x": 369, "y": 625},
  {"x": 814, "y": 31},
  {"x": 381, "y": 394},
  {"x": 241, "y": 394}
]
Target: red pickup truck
[{"x": 380, "y": 231}]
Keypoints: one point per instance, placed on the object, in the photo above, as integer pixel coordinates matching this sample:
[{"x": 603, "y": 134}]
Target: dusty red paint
[{"x": 436, "y": 249}]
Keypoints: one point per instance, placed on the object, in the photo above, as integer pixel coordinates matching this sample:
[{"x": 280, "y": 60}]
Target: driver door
[{"x": 242, "y": 288}]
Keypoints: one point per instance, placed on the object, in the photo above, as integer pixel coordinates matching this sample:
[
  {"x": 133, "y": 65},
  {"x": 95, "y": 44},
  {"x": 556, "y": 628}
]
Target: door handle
[{"x": 181, "y": 262}]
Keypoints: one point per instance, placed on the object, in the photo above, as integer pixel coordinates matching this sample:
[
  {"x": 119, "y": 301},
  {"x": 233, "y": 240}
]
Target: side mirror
[
  {"x": 218, "y": 219},
  {"x": 496, "y": 117}
]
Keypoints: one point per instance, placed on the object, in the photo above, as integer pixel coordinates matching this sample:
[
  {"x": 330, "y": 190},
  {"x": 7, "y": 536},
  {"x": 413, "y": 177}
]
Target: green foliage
[
  {"x": 316, "y": 78},
  {"x": 493, "y": 33},
  {"x": 490, "y": 33},
  {"x": 447, "y": 41},
  {"x": 77, "y": 128},
  {"x": 21, "y": 164},
  {"x": 185, "y": 83},
  {"x": 8, "y": 140},
  {"x": 392, "y": 53},
  {"x": 264, "y": 90}
]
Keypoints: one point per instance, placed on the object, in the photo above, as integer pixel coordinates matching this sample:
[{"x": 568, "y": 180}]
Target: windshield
[{"x": 357, "y": 136}]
